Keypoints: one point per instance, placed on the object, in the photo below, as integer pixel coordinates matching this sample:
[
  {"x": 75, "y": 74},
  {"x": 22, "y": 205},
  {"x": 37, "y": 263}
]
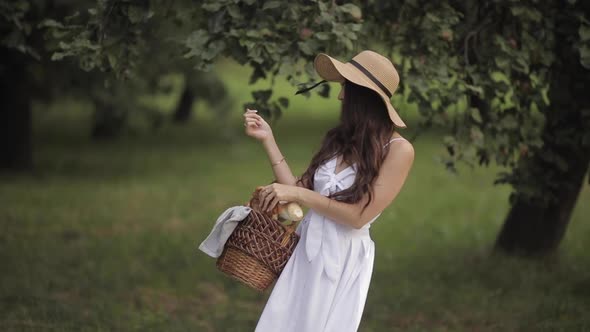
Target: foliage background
[{"x": 104, "y": 236}]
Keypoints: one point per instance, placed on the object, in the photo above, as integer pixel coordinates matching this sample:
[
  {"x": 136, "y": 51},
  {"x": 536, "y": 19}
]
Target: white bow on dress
[{"x": 323, "y": 233}]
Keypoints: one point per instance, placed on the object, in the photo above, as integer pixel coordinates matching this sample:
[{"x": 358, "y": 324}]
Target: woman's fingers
[
  {"x": 250, "y": 122},
  {"x": 267, "y": 199},
  {"x": 272, "y": 204},
  {"x": 254, "y": 122},
  {"x": 261, "y": 197},
  {"x": 262, "y": 202},
  {"x": 252, "y": 117}
]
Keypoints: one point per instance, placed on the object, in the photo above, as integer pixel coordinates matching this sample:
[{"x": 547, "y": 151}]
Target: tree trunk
[
  {"x": 533, "y": 228},
  {"x": 185, "y": 104},
  {"x": 15, "y": 116}
]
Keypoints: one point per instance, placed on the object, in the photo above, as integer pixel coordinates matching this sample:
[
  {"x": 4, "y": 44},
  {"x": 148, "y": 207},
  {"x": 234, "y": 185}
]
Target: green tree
[
  {"x": 95, "y": 51},
  {"x": 522, "y": 67}
]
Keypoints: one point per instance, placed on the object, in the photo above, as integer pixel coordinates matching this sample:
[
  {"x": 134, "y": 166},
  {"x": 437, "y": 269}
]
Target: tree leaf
[
  {"x": 528, "y": 12},
  {"x": 136, "y": 14},
  {"x": 498, "y": 76},
  {"x": 585, "y": 56},
  {"x": 322, "y": 35},
  {"x": 348, "y": 44},
  {"x": 49, "y": 23},
  {"x": 475, "y": 115},
  {"x": 324, "y": 90},
  {"x": 212, "y": 6},
  {"x": 271, "y": 5},
  {"x": 262, "y": 95},
  {"x": 213, "y": 49},
  {"x": 584, "y": 32},
  {"x": 57, "y": 56},
  {"x": 353, "y": 10},
  {"x": 284, "y": 102},
  {"x": 476, "y": 89},
  {"x": 112, "y": 60},
  {"x": 234, "y": 11},
  {"x": 545, "y": 95},
  {"x": 305, "y": 48}
]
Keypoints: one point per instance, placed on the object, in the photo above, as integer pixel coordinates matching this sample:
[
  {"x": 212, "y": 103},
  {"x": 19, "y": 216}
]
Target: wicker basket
[{"x": 258, "y": 249}]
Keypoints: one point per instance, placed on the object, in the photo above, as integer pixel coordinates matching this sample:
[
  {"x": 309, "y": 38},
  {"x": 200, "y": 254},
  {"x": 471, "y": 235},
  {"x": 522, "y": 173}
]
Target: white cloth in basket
[
  {"x": 324, "y": 285},
  {"x": 224, "y": 226}
]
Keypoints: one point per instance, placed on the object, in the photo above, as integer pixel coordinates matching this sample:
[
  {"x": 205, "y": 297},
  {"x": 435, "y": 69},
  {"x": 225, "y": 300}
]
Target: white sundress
[{"x": 324, "y": 285}]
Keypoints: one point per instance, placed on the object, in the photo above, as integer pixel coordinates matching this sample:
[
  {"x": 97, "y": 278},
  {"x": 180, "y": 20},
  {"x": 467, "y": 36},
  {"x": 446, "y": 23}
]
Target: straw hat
[{"x": 368, "y": 69}]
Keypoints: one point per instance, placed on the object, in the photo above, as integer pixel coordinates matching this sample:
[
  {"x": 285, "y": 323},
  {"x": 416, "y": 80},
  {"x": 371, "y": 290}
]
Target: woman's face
[{"x": 341, "y": 94}]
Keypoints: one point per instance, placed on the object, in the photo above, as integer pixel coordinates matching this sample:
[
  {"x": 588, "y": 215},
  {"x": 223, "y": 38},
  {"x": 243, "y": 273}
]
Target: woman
[{"x": 360, "y": 168}]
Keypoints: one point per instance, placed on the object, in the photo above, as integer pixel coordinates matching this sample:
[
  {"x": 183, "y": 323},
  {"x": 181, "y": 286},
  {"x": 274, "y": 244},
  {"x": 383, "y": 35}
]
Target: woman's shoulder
[
  {"x": 398, "y": 138},
  {"x": 401, "y": 145}
]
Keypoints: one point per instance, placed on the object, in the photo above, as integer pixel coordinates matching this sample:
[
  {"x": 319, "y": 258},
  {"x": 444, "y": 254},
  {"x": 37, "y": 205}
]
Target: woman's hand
[
  {"x": 274, "y": 193},
  {"x": 256, "y": 126}
]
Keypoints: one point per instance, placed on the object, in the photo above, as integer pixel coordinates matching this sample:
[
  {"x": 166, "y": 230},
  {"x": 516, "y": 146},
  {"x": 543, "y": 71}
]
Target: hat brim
[{"x": 333, "y": 70}]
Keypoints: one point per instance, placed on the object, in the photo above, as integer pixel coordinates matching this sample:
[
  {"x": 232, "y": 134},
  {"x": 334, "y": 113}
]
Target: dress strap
[{"x": 394, "y": 139}]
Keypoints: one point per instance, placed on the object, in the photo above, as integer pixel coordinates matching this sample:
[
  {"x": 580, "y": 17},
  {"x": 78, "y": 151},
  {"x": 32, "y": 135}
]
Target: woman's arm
[
  {"x": 259, "y": 129},
  {"x": 387, "y": 185},
  {"x": 281, "y": 170}
]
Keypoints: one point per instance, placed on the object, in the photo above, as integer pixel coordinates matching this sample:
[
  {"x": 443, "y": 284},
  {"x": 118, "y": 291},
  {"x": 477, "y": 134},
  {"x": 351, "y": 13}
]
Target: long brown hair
[{"x": 364, "y": 128}]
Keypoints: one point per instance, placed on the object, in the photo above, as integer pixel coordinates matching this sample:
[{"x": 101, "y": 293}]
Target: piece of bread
[{"x": 290, "y": 211}]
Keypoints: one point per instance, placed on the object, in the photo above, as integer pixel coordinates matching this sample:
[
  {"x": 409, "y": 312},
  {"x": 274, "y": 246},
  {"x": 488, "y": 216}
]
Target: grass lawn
[{"x": 103, "y": 236}]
